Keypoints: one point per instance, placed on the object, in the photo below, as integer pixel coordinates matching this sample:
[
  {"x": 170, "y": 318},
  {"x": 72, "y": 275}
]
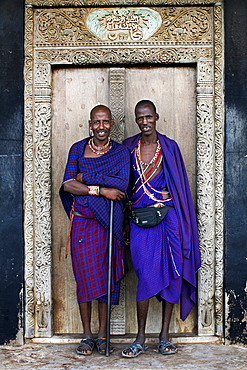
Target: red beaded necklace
[{"x": 147, "y": 169}]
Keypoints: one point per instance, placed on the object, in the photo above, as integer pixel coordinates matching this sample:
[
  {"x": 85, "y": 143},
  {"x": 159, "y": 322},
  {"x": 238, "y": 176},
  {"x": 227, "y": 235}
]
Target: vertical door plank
[{"x": 75, "y": 92}]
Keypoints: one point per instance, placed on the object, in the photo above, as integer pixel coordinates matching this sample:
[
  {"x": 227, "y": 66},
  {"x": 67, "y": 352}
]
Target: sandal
[
  {"x": 166, "y": 348},
  {"x": 101, "y": 341},
  {"x": 136, "y": 349},
  {"x": 88, "y": 342}
]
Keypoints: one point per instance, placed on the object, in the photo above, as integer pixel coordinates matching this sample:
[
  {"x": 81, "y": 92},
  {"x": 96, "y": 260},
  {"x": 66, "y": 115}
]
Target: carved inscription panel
[{"x": 120, "y": 25}]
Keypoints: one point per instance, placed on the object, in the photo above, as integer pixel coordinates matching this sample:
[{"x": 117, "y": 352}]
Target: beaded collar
[{"x": 99, "y": 150}]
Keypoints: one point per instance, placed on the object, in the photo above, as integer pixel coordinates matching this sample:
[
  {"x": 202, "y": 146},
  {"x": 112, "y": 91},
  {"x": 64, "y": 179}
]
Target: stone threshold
[{"x": 128, "y": 338}]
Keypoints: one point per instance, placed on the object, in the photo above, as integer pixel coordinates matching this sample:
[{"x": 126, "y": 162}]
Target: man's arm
[
  {"x": 78, "y": 188},
  {"x": 75, "y": 187},
  {"x": 111, "y": 187},
  {"x": 119, "y": 180}
]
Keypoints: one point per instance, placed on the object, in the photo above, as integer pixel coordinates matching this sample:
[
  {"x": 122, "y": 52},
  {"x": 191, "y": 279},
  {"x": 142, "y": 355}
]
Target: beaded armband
[{"x": 93, "y": 190}]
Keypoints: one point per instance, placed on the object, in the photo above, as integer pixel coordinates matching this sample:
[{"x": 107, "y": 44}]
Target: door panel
[
  {"x": 75, "y": 92},
  {"x": 172, "y": 89}
]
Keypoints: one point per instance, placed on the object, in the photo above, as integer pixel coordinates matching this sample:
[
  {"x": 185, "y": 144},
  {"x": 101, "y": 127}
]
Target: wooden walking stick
[{"x": 108, "y": 322}]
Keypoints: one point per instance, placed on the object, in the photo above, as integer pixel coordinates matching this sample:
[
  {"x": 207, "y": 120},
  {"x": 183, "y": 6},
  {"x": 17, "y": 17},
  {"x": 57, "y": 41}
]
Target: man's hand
[
  {"x": 79, "y": 177},
  {"x": 112, "y": 194}
]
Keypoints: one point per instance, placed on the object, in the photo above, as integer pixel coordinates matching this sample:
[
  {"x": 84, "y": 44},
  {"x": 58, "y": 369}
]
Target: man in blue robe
[
  {"x": 166, "y": 256},
  {"x": 97, "y": 171}
]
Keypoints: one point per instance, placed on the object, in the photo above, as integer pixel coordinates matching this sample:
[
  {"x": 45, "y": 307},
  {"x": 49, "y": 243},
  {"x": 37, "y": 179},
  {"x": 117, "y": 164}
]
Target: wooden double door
[{"x": 75, "y": 92}]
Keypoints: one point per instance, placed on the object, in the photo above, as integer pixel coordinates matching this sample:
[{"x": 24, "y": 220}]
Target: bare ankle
[{"x": 140, "y": 338}]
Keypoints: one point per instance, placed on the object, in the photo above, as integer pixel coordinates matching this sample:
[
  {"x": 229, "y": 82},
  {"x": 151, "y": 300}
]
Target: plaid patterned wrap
[
  {"x": 109, "y": 170},
  {"x": 89, "y": 253},
  {"x": 89, "y": 236}
]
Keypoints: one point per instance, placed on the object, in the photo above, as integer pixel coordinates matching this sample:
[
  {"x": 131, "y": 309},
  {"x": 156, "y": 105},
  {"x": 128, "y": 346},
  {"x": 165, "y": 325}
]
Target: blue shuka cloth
[
  {"x": 109, "y": 170},
  {"x": 89, "y": 254},
  {"x": 178, "y": 186},
  {"x": 89, "y": 237}
]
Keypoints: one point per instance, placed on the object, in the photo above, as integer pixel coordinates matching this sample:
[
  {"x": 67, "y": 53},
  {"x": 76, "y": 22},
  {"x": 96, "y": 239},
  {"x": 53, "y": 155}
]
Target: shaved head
[
  {"x": 141, "y": 103},
  {"x": 100, "y": 107}
]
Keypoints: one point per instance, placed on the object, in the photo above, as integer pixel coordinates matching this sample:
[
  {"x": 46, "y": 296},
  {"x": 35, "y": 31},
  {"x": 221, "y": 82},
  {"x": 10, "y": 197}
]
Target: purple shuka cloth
[
  {"x": 89, "y": 246},
  {"x": 89, "y": 253},
  {"x": 156, "y": 251},
  {"x": 183, "y": 215}
]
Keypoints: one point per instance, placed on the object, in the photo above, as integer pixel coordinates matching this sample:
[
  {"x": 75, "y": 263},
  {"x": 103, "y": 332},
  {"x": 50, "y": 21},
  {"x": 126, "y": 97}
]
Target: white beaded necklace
[{"x": 99, "y": 150}]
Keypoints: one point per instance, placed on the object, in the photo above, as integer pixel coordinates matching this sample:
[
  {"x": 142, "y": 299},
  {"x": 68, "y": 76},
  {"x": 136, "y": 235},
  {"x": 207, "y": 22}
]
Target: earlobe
[
  {"x": 90, "y": 128},
  {"x": 157, "y": 116}
]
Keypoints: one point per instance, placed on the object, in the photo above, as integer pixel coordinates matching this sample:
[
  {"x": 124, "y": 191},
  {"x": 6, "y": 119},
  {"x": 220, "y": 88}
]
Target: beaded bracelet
[{"x": 93, "y": 190}]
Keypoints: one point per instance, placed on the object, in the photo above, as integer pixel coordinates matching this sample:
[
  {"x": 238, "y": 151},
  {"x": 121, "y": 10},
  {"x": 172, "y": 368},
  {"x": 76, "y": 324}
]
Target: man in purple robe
[
  {"x": 166, "y": 256},
  {"x": 97, "y": 171}
]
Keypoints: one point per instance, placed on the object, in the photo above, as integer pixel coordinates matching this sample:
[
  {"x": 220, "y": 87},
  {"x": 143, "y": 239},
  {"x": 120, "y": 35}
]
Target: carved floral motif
[
  {"x": 185, "y": 25},
  {"x": 123, "y": 56},
  {"x": 118, "y": 25},
  {"x": 219, "y": 169}
]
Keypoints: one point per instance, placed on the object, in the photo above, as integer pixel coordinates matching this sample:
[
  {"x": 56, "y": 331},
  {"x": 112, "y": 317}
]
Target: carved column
[
  {"x": 42, "y": 199},
  {"x": 28, "y": 176},
  {"x": 206, "y": 195},
  {"x": 219, "y": 166}
]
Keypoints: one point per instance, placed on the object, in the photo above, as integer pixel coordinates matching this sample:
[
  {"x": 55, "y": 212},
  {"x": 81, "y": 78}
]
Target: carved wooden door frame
[{"x": 59, "y": 32}]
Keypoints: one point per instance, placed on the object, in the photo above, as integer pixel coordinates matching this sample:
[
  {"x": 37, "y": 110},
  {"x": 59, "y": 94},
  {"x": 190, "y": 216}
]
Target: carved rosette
[{"x": 56, "y": 36}]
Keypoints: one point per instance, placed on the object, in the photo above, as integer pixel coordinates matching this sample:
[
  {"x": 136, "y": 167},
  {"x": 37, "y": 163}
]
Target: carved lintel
[
  {"x": 92, "y": 3},
  {"x": 115, "y": 56},
  {"x": 123, "y": 26}
]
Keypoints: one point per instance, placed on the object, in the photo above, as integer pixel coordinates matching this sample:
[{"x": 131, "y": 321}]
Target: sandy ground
[{"x": 63, "y": 357}]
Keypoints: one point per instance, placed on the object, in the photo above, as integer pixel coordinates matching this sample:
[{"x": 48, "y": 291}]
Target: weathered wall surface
[
  {"x": 236, "y": 170},
  {"x": 11, "y": 163}
]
